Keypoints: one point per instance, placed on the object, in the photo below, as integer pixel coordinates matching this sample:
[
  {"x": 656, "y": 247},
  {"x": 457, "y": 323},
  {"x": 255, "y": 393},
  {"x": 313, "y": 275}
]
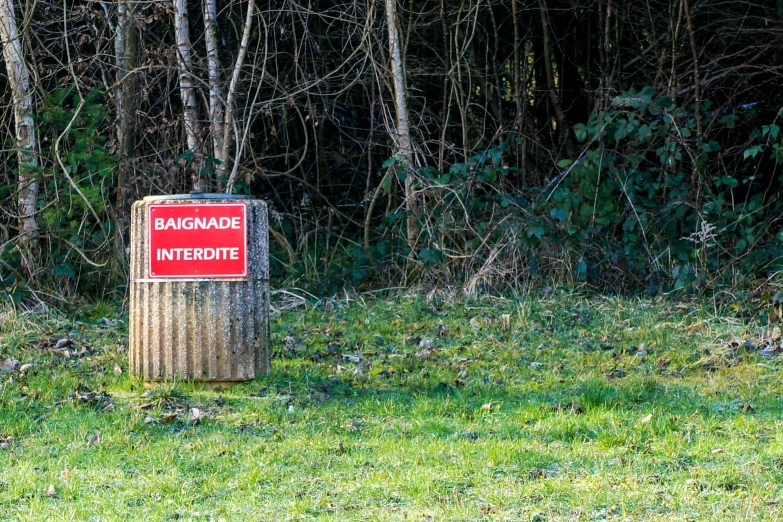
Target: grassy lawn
[{"x": 536, "y": 409}]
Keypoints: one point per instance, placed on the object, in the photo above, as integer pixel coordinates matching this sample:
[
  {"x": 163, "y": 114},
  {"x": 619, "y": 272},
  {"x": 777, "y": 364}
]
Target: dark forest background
[{"x": 633, "y": 146}]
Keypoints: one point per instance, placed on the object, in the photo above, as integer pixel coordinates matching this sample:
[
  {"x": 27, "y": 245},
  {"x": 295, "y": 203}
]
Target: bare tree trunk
[
  {"x": 519, "y": 97},
  {"x": 674, "y": 30},
  {"x": 403, "y": 129},
  {"x": 696, "y": 70},
  {"x": 216, "y": 114},
  {"x": 446, "y": 80},
  {"x": 550, "y": 80},
  {"x": 695, "y": 171},
  {"x": 231, "y": 97},
  {"x": 126, "y": 48},
  {"x": 517, "y": 80},
  {"x": 186, "y": 89},
  {"x": 22, "y": 94}
]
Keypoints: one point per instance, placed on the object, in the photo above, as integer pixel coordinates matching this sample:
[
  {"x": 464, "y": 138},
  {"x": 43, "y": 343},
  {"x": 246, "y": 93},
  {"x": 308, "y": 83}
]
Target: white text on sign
[
  {"x": 196, "y": 254},
  {"x": 195, "y": 223}
]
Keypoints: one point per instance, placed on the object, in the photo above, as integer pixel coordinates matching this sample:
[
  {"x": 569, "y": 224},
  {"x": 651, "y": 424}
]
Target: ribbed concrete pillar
[{"x": 211, "y": 330}]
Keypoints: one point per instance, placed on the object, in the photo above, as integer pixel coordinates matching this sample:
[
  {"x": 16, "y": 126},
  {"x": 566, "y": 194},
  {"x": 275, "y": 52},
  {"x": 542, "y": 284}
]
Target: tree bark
[
  {"x": 404, "y": 143},
  {"x": 22, "y": 94},
  {"x": 517, "y": 79},
  {"x": 550, "y": 80},
  {"x": 216, "y": 113},
  {"x": 446, "y": 81},
  {"x": 126, "y": 47},
  {"x": 186, "y": 88},
  {"x": 231, "y": 97},
  {"x": 696, "y": 70}
]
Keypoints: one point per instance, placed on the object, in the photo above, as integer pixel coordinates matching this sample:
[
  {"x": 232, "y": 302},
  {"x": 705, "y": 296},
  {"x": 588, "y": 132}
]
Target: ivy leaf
[
  {"x": 559, "y": 214},
  {"x": 581, "y": 270},
  {"x": 751, "y": 152},
  {"x": 664, "y": 102},
  {"x": 429, "y": 256},
  {"x": 563, "y": 163},
  {"x": 497, "y": 157},
  {"x": 389, "y": 162},
  {"x": 580, "y": 131},
  {"x": 535, "y": 230}
]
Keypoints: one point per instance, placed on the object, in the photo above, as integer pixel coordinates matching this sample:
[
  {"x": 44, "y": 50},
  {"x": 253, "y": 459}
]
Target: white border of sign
[{"x": 191, "y": 276}]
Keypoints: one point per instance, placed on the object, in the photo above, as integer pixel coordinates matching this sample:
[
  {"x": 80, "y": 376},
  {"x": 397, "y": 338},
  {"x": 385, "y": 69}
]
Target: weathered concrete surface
[{"x": 203, "y": 330}]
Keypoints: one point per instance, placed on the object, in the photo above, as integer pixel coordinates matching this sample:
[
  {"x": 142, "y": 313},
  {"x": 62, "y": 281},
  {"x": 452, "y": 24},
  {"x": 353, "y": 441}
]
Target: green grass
[{"x": 533, "y": 409}]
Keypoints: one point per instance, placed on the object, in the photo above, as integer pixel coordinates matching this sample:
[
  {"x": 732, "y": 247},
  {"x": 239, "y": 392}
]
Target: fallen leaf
[
  {"x": 646, "y": 419},
  {"x": 710, "y": 365},
  {"x": 694, "y": 326},
  {"x": 469, "y": 435},
  {"x": 506, "y": 321},
  {"x": 23, "y": 368},
  {"x": 425, "y": 353},
  {"x": 149, "y": 419},
  {"x": 642, "y": 350},
  {"x": 662, "y": 363},
  {"x": 717, "y": 450},
  {"x": 94, "y": 440},
  {"x": 66, "y": 476},
  {"x": 51, "y": 491},
  {"x": 9, "y": 365},
  {"x": 441, "y": 330},
  {"x": 117, "y": 369},
  {"x": 353, "y": 425},
  {"x": 196, "y": 413},
  {"x": 487, "y": 407},
  {"x": 617, "y": 373},
  {"x": 573, "y": 407},
  {"x": 425, "y": 343}
]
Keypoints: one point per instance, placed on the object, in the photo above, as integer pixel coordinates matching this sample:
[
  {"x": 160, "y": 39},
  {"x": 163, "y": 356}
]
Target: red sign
[{"x": 197, "y": 240}]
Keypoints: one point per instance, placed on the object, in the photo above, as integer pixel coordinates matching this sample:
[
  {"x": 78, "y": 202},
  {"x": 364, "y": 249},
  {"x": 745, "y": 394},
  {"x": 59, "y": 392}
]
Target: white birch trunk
[
  {"x": 186, "y": 89},
  {"x": 231, "y": 97},
  {"x": 22, "y": 94},
  {"x": 403, "y": 128},
  {"x": 216, "y": 115},
  {"x": 119, "y": 51}
]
